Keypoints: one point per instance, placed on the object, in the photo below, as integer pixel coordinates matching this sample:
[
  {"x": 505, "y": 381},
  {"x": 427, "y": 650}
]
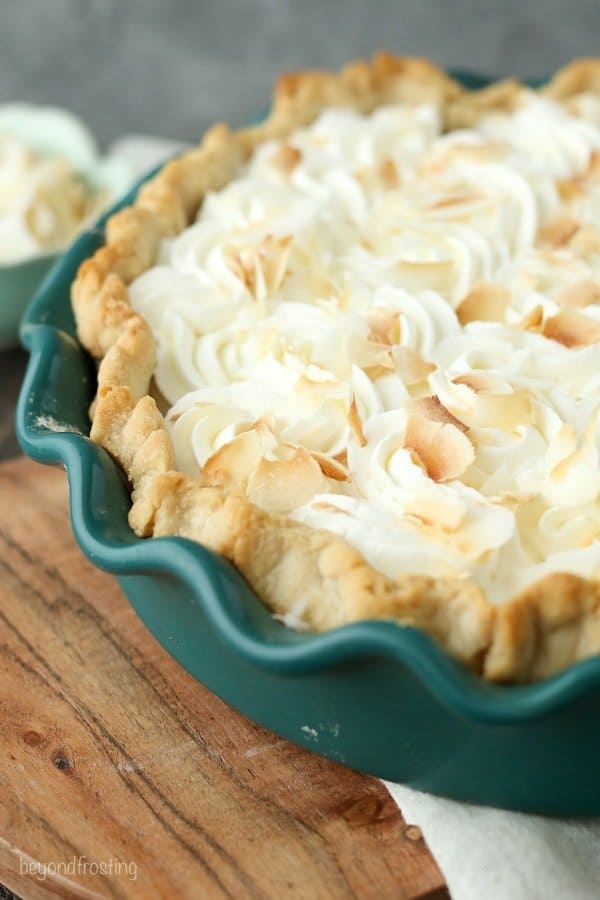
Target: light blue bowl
[
  {"x": 374, "y": 695},
  {"x": 18, "y": 284},
  {"x": 53, "y": 132}
]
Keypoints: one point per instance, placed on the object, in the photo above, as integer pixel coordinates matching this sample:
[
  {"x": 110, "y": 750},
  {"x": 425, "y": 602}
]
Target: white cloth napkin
[{"x": 497, "y": 855}]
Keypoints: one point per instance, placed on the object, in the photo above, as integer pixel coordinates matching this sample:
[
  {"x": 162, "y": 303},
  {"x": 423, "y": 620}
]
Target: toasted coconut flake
[
  {"x": 280, "y": 485},
  {"x": 388, "y": 173},
  {"x": 443, "y": 450},
  {"x": 330, "y": 467},
  {"x": 503, "y": 411},
  {"x": 237, "y": 266},
  {"x": 493, "y": 407},
  {"x": 593, "y": 168},
  {"x": 432, "y": 408},
  {"x": 570, "y": 188},
  {"x": 562, "y": 448},
  {"x": 286, "y": 158},
  {"x": 485, "y": 152},
  {"x": 276, "y": 253},
  {"x": 245, "y": 265},
  {"x": 326, "y": 506},
  {"x": 355, "y": 423},
  {"x": 586, "y": 242},
  {"x": 577, "y": 454},
  {"x": 583, "y": 293},
  {"x": 410, "y": 366},
  {"x": 231, "y": 465},
  {"x": 479, "y": 382},
  {"x": 533, "y": 320},
  {"x": 485, "y": 302},
  {"x": 260, "y": 426},
  {"x": 458, "y": 198},
  {"x": 262, "y": 268},
  {"x": 312, "y": 385},
  {"x": 572, "y": 329},
  {"x": 430, "y": 513},
  {"x": 559, "y": 231},
  {"x": 384, "y": 326},
  {"x": 375, "y": 372},
  {"x": 365, "y": 353}
]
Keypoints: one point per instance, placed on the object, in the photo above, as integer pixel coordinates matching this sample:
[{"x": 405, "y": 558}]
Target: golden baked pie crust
[{"x": 551, "y": 624}]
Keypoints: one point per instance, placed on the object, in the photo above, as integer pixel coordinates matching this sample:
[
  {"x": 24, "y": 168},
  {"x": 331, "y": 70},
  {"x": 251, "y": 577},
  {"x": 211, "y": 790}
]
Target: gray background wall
[{"x": 170, "y": 67}]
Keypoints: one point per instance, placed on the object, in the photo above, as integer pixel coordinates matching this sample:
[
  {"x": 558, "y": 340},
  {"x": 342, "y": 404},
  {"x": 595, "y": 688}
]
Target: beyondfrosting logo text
[{"x": 78, "y": 865}]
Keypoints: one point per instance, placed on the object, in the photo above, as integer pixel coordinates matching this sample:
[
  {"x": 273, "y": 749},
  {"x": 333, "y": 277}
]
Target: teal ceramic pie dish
[{"x": 376, "y": 696}]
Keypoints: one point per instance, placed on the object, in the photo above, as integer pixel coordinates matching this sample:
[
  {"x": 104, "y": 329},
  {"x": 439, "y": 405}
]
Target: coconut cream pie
[{"x": 356, "y": 350}]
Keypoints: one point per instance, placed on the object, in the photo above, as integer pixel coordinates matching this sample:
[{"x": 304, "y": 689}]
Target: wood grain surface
[
  {"x": 12, "y": 368},
  {"x": 112, "y": 756}
]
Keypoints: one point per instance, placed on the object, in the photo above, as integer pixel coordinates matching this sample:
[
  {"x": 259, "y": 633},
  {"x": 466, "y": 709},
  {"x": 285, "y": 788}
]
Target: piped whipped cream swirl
[{"x": 394, "y": 334}]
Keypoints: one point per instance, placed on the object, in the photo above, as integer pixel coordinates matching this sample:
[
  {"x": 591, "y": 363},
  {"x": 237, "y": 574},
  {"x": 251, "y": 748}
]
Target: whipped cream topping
[
  {"x": 394, "y": 334},
  {"x": 43, "y": 201}
]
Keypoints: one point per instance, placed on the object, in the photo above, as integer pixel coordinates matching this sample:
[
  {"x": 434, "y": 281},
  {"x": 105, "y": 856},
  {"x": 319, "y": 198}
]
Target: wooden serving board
[{"x": 126, "y": 778}]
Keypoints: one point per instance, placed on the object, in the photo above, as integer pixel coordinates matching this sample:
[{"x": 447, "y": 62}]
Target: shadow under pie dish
[{"x": 541, "y": 634}]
